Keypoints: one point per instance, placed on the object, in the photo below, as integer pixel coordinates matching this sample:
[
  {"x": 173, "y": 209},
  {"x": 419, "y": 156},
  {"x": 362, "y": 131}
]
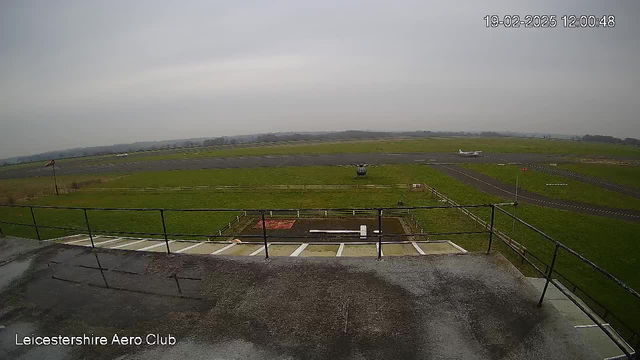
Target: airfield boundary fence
[{"x": 548, "y": 273}]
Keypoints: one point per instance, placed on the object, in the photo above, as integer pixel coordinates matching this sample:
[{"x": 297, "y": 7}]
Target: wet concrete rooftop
[{"x": 465, "y": 306}]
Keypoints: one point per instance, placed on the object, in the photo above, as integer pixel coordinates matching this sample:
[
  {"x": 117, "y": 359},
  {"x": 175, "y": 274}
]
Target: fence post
[
  {"x": 379, "y": 234},
  {"x": 264, "y": 234},
  {"x": 164, "y": 231},
  {"x": 35, "y": 225},
  {"x": 549, "y": 274},
  {"x": 493, "y": 214},
  {"x": 86, "y": 220}
]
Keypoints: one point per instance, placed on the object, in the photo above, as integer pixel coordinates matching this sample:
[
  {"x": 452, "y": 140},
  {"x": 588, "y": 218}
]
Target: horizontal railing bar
[
  {"x": 259, "y": 210},
  {"x": 574, "y": 253},
  {"x": 19, "y": 224},
  {"x": 593, "y": 318}
]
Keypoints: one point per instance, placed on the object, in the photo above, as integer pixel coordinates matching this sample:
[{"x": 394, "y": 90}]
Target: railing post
[
  {"x": 86, "y": 220},
  {"x": 549, "y": 274},
  {"x": 164, "y": 231},
  {"x": 493, "y": 215},
  {"x": 264, "y": 234},
  {"x": 35, "y": 224},
  {"x": 379, "y": 234}
]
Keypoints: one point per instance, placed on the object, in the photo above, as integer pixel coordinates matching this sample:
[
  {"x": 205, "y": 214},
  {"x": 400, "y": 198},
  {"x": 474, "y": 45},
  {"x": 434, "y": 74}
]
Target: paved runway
[
  {"x": 82, "y": 167},
  {"x": 498, "y": 188}
]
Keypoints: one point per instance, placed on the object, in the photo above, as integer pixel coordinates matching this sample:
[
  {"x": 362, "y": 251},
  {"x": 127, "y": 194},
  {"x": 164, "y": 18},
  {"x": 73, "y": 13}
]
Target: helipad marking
[
  {"x": 340, "y": 250},
  {"x": 189, "y": 247},
  {"x": 259, "y": 250},
  {"x": 420, "y": 251},
  {"x": 223, "y": 249},
  {"x": 107, "y": 242},
  {"x": 155, "y": 246},
  {"x": 299, "y": 250}
]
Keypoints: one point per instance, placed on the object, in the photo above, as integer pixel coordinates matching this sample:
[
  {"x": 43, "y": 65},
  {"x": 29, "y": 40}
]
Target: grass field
[
  {"x": 608, "y": 242},
  {"x": 501, "y": 145},
  {"x": 535, "y": 181},
  {"x": 627, "y": 175},
  {"x": 17, "y": 190}
]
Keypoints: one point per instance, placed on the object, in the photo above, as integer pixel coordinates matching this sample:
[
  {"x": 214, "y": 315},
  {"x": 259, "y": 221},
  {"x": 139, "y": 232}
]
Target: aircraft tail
[{"x": 459, "y": 151}]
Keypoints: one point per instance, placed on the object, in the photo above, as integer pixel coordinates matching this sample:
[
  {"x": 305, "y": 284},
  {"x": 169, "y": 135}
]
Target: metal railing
[
  {"x": 262, "y": 213},
  {"x": 548, "y": 275},
  {"x": 378, "y": 212}
]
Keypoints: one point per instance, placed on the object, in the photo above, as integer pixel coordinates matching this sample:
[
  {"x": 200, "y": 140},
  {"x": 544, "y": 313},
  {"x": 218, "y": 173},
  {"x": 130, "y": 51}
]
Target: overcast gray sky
[{"x": 83, "y": 73}]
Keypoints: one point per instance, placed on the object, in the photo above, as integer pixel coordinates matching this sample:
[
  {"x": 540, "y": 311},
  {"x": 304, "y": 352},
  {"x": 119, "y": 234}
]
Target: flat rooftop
[{"x": 471, "y": 306}]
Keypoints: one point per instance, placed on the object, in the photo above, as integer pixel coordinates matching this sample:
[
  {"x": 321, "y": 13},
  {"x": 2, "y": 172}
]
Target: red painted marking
[{"x": 276, "y": 224}]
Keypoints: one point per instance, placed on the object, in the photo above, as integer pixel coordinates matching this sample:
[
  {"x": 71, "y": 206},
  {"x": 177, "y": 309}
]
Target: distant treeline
[
  {"x": 279, "y": 137},
  {"x": 611, "y": 140}
]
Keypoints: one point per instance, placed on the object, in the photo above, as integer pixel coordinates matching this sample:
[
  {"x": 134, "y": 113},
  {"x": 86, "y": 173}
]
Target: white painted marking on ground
[
  {"x": 340, "y": 250},
  {"x": 65, "y": 237},
  {"x": 189, "y": 247},
  {"x": 155, "y": 245},
  {"x": 457, "y": 247},
  {"x": 299, "y": 250},
  {"x": 127, "y": 244},
  {"x": 77, "y": 241},
  {"x": 223, "y": 249},
  {"x": 106, "y": 242},
  {"x": 258, "y": 251},
  {"x": 418, "y": 249},
  {"x": 588, "y": 326}
]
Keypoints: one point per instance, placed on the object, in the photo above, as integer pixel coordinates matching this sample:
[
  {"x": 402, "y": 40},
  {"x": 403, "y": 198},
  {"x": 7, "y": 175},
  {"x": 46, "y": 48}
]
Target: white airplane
[{"x": 469, "y": 153}]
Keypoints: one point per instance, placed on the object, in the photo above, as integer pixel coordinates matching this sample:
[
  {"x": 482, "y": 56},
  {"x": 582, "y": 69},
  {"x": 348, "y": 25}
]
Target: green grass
[
  {"x": 311, "y": 175},
  {"x": 576, "y": 190},
  {"x": 610, "y": 243},
  {"x": 627, "y": 175},
  {"x": 20, "y": 189}
]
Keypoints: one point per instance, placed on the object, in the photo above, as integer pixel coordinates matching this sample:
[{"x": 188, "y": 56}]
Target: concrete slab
[
  {"x": 438, "y": 248},
  {"x": 399, "y": 249},
  {"x": 574, "y": 315},
  {"x": 179, "y": 245},
  {"x": 111, "y": 244},
  {"x": 592, "y": 333},
  {"x": 600, "y": 342},
  {"x": 206, "y": 248},
  {"x": 281, "y": 250},
  {"x": 241, "y": 249},
  {"x": 359, "y": 250},
  {"x": 139, "y": 245},
  {"x": 320, "y": 250}
]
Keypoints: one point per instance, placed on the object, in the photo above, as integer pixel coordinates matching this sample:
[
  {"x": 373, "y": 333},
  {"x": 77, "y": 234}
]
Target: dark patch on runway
[{"x": 506, "y": 191}]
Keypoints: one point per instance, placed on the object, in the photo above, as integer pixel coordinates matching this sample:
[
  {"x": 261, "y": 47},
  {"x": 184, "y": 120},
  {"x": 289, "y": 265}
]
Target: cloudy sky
[{"x": 83, "y": 73}]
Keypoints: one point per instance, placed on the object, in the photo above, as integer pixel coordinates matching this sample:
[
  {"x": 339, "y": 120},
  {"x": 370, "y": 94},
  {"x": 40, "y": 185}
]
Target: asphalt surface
[
  {"x": 435, "y": 307},
  {"x": 82, "y": 167},
  {"x": 506, "y": 191}
]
